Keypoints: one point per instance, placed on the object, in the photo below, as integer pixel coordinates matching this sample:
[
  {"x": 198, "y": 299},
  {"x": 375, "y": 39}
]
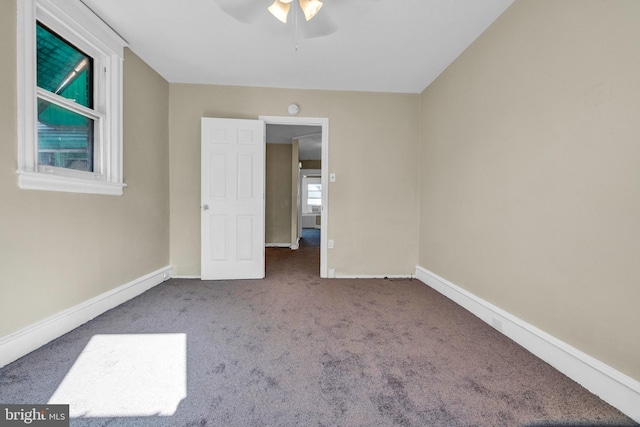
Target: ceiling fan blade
[
  {"x": 336, "y": 14},
  {"x": 246, "y": 11},
  {"x": 320, "y": 26}
]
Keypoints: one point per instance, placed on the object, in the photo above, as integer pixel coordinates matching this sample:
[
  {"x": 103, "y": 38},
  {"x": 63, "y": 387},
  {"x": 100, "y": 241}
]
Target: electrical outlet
[{"x": 330, "y": 244}]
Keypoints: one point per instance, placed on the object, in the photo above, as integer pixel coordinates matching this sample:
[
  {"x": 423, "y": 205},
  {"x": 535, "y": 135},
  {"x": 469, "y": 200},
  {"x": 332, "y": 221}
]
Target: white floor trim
[
  {"x": 611, "y": 385},
  {"x": 277, "y": 245},
  {"x": 24, "y": 341},
  {"x": 373, "y": 276}
]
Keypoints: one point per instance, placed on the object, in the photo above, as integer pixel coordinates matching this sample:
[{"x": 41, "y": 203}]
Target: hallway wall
[{"x": 278, "y": 194}]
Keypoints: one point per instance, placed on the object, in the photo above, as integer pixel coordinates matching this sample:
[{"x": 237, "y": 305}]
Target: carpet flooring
[{"x": 296, "y": 350}]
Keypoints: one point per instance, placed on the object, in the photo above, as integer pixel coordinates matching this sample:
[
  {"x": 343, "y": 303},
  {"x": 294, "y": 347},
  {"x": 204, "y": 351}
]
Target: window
[
  {"x": 311, "y": 194},
  {"x": 70, "y": 99},
  {"x": 65, "y": 133},
  {"x": 314, "y": 194}
]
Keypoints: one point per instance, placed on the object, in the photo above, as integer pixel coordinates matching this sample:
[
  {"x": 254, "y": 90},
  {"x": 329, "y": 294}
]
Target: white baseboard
[
  {"x": 372, "y": 276},
  {"x": 24, "y": 341},
  {"x": 611, "y": 385},
  {"x": 277, "y": 245}
]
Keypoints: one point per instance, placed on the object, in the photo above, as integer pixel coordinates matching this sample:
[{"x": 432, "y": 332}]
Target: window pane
[
  {"x": 314, "y": 191},
  {"x": 63, "y": 69},
  {"x": 314, "y": 194},
  {"x": 65, "y": 138}
]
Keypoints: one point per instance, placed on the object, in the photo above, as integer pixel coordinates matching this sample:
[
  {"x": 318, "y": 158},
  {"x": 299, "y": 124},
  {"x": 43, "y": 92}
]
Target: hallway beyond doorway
[{"x": 310, "y": 238}]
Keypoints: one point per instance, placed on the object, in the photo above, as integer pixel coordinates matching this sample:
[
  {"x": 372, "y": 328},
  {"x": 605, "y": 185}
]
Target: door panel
[{"x": 232, "y": 199}]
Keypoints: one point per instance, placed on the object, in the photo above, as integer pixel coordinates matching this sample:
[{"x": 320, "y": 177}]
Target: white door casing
[
  {"x": 232, "y": 199},
  {"x": 324, "y": 123}
]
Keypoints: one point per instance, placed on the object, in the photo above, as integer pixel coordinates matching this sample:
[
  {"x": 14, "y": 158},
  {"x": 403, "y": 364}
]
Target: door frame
[{"x": 324, "y": 215}]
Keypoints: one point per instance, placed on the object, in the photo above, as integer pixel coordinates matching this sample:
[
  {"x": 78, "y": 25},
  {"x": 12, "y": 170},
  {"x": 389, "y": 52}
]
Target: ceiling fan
[
  {"x": 338, "y": 14},
  {"x": 280, "y": 8}
]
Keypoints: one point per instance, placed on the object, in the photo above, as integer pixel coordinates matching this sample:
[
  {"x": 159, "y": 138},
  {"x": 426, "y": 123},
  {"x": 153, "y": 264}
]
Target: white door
[{"x": 232, "y": 199}]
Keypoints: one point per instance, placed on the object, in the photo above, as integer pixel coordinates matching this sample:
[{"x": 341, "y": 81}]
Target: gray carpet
[{"x": 297, "y": 350}]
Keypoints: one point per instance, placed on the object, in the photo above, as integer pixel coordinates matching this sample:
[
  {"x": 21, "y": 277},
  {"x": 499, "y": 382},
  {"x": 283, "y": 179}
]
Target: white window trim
[{"x": 74, "y": 21}]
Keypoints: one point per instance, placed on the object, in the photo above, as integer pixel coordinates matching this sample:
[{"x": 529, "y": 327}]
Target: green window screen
[
  {"x": 65, "y": 138},
  {"x": 63, "y": 69}
]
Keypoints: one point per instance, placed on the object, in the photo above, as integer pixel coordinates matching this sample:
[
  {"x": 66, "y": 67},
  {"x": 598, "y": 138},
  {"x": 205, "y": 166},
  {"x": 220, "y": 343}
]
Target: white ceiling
[
  {"x": 310, "y": 139},
  {"x": 359, "y": 45}
]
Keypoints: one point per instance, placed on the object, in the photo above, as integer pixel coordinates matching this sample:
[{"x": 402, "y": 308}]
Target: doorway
[{"x": 316, "y": 129}]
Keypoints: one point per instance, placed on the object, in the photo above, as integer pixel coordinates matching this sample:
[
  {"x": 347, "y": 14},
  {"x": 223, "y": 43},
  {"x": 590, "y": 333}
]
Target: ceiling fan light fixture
[
  {"x": 310, "y": 8},
  {"x": 280, "y": 9}
]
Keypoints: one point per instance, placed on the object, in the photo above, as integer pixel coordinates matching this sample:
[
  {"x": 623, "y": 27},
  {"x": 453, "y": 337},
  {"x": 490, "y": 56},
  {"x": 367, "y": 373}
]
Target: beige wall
[
  {"x": 60, "y": 249},
  {"x": 373, "y": 205},
  {"x": 278, "y": 194},
  {"x": 294, "y": 234},
  {"x": 311, "y": 164},
  {"x": 530, "y": 167}
]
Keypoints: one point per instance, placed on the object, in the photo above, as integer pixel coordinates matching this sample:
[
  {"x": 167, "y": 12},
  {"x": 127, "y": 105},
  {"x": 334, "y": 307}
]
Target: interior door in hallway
[{"x": 232, "y": 199}]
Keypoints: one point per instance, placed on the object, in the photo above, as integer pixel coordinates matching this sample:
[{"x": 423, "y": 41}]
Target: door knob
[{"x": 205, "y": 207}]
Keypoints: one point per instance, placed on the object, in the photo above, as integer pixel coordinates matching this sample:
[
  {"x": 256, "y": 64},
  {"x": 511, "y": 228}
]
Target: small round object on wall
[{"x": 293, "y": 109}]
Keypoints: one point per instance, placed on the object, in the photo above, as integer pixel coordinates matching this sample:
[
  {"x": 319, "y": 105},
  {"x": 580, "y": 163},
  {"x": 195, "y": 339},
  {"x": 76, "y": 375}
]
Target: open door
[{"x": 232, "y": 199}]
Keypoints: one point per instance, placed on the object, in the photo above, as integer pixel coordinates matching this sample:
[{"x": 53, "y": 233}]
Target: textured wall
[
  {"x": 373, "y": 141},
  {"x": 530, "y": 194},
  {"x": 60, "y": 249}
]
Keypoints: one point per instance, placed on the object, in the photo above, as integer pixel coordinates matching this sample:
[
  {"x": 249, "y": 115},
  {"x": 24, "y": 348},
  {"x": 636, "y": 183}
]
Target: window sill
[{"x": 48, "y": 182}]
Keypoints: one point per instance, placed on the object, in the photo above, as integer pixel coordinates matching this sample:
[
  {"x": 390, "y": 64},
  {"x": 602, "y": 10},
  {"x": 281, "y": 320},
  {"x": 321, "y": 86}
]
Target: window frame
[{"x": 77, "y": 24}]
